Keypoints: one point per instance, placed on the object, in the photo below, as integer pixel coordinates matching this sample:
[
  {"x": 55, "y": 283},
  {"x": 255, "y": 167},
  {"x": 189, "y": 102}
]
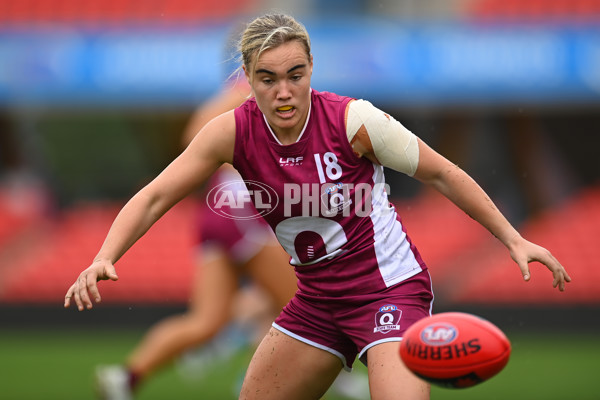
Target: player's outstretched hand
[
  {"x": 523, "y": 252},
  {"x": 85, "y": 287}
]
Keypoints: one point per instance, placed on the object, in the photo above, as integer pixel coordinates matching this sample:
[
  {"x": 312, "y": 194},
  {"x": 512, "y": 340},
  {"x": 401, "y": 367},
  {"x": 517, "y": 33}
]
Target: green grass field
[{"x": 54, "y": 364}]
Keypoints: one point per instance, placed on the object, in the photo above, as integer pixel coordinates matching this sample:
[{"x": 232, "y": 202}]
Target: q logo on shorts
[{"x": 387, "y": 319}]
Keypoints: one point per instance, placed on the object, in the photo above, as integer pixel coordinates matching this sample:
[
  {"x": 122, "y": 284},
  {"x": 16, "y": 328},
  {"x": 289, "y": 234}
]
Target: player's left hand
[{"x": 523, "y": 252}]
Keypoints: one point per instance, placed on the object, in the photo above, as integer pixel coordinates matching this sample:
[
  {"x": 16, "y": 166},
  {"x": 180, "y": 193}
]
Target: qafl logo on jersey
[
  {"x": 335, "y": 198},
  {"x": 387, "y": 319},
  {"x": 242, "y": 200},
  {"x": 439, "y": 334}
]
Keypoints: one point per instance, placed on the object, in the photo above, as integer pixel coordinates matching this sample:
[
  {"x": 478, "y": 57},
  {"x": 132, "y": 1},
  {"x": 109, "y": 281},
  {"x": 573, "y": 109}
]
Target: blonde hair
[{"x": 268, "y": 32}]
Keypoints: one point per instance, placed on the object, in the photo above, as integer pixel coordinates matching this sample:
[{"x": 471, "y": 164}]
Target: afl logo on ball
[{"x": 438, "y": 334}]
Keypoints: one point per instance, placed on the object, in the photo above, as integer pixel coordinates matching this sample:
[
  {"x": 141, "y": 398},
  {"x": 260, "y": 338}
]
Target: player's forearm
[
  {"x": 463, "y": 191},
  {"x": 132, "y": 222}
]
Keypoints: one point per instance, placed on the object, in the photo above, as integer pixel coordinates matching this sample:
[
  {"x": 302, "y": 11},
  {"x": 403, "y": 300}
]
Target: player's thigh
[
  {"x": 388, "y": 376},
  {"x": 214, "y": 287},
  {"x": 271, "y": 270},
  {"x": 284, "y": 368}
]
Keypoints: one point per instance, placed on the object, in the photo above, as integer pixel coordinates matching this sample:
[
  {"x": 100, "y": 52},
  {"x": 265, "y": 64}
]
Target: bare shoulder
[{"x": 216, "y": 139}]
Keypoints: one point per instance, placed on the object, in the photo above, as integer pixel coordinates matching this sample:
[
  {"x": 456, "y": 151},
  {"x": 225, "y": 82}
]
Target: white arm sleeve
[{"x": 393, "y": 145}]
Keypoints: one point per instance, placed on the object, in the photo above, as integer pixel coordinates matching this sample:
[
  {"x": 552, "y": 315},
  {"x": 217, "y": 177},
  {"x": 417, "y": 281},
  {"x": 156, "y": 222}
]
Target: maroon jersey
[{"x": 328, "y": 208}]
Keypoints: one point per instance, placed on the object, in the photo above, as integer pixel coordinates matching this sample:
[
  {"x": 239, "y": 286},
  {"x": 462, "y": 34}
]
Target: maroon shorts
[{"x": 349, "y": 326}]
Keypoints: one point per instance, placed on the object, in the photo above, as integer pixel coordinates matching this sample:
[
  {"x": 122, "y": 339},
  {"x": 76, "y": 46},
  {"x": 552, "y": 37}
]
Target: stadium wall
[{"x": 386, "y": 60}]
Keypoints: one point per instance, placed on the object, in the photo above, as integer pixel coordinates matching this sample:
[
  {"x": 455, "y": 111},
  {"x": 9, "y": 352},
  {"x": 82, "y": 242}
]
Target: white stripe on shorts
[{"x": 314, "y": 344}]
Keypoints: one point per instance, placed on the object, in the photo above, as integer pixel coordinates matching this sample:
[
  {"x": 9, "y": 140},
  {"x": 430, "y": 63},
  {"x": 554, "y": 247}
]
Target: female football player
[{"x": 314, "y": 162}]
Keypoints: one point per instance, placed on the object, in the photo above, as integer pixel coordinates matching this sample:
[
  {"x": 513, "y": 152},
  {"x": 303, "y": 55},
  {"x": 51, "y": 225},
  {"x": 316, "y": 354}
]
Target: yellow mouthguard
[{"x": 286, "y": 108}]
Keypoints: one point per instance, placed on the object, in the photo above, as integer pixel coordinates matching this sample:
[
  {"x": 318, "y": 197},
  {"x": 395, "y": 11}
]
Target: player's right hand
[{"x": 85, "y": 287}]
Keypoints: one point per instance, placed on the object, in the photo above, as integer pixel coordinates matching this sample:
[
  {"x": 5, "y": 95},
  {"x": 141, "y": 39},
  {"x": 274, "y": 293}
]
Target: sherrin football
[{"x": 454, "y": 350}]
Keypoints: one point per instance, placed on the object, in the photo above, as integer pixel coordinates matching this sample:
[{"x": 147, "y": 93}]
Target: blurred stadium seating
[
  {"x": 544, "y": 11},
  {"x": 158, "y": 269},
  {"x": 119, "y": 13},
  {"x": 151, "y": 56},
  {"x": 483, "y": 273},
  {"x": 17, "y": 213}
]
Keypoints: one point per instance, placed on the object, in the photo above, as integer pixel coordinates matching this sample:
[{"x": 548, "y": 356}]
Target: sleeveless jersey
[{"x": 328, "y": 208}]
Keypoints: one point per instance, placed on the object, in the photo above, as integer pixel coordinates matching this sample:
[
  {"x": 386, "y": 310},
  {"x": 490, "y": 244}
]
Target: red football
[{"x": 455, "y": 350}]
